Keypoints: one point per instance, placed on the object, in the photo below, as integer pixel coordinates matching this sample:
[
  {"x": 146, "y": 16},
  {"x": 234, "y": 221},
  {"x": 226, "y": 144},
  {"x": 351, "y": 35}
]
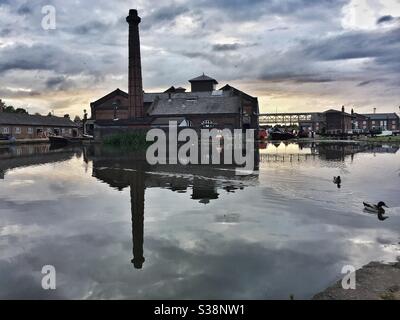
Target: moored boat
[
  {"x": 58, "y": 140},
  {"x": 277, "y": 134}
]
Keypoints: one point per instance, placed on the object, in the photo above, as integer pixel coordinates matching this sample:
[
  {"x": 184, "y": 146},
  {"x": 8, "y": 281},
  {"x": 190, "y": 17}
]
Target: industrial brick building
[
  {"x": 383, "y": 121},
  {"x": 25, "y": 126},
  {"x": 224, "y": 108},
  {"x": 202, "y": 107},
  {"x": 338, "y": 122}
]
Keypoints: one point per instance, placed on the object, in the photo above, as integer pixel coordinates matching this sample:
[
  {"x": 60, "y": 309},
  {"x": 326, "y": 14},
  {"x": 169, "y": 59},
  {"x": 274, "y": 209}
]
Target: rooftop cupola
[{"x": 203, "y": 83}]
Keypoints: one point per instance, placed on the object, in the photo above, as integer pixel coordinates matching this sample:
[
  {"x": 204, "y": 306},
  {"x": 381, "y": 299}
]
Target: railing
[{"x": 285, "y": 118}]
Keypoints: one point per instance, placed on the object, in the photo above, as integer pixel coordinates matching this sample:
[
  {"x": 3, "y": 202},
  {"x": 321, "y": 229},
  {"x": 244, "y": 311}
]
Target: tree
[
  {"x": 21, "y": 110},
  {"x": 49, "y": 114},
  {"x": 9, "y": 109},
  {"x": 77, "y": 119},
  {"x": 66, "y": 116},
  {"x": 2, "y": 105}
]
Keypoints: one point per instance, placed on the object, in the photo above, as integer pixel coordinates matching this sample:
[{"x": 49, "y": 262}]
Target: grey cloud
[
  {"x": 226, "y": 47},
  {"x": 296, "y": 77},
  {"x": 59, "y": 83},
  {"x": 278, "y": 29},
  {"x": 7, "y": 93},
  {"x": 5, "y": 32},
  {"x": 384, "y": 19},
  {"x": 354, "y": 45},
  {"x": 24, "y": 9},
  {"x": 220, "y": 47},
  {"x": 254, "y": 9},
  {"x": 367, "y": 82},
  {"x": 47, "y": 57},
  {"x": 90, "y": 27},
  {"x": 165, "y": 14}
]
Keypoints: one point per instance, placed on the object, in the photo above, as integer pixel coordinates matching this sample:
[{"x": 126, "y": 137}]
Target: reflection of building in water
[
  {"x": 131, "y": 170},
  {"x": 204, "y": 190},
  {"x": 383, "y": 148},
  {"x": 12, "y": 157},
  {"x": 330, "y": 151}
]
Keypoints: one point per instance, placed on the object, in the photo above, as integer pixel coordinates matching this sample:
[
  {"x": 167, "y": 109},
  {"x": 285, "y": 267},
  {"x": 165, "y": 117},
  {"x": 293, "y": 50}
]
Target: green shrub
[{"x": 134, "y": 141}]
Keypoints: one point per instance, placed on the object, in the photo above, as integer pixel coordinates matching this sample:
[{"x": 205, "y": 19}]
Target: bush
[{"x": 134, "y": 141}]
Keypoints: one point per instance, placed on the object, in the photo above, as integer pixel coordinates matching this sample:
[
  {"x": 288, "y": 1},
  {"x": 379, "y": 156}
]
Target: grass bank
[
  {"x": 132, "y": 141},
  {"x": 384, "y": 139}
]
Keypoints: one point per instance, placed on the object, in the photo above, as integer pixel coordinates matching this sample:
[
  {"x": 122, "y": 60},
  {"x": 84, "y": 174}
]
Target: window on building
[
  {"x": 373, "y": 122},
  {"x": 17, "y": 130},
  {"x": 394, "y": 127},
  {"x": 365, "y": 123},
  {"x": 63, "y": 131},
  {"x": 207, "y": 123},
  {"x": 70, "y": 131},
  {"x": 6, "y": 130},
  {"x": 30, "y": 130},
  {"x": 393, "y": 121}
]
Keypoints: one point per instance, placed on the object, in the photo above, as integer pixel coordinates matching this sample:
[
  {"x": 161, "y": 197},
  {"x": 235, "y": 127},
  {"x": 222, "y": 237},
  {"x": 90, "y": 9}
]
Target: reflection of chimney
[
  {"x": 135, "y": 87},
  {"x": 137, "y": 208}
]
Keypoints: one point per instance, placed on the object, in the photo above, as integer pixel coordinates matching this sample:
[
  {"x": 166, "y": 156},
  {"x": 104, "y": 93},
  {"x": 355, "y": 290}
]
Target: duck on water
[{"x": 377, "y": 209}]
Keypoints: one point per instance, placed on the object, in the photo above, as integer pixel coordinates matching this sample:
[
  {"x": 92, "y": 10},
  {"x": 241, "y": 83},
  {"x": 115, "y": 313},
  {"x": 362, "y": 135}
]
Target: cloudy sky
[{"x": 303, "y": 55}]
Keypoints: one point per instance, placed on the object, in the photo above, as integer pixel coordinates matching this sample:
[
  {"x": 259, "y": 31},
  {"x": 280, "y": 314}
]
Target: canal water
[{"x": 114, "y": 227}]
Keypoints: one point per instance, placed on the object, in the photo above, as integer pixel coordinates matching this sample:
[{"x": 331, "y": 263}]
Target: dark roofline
[
  {"x": 117, "y": 91},
  {"x": 35, "y": 120},
  {"x": 203, "y": 78},
  {"x": 229, "y": 87},
  {"x": 338, "y": 111},
  {"x": 383, "y": 114}
]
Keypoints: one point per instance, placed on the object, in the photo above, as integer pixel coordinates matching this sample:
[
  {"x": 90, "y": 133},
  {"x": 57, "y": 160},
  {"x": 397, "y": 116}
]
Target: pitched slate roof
[
  {"x": 203, "y": 77},
  {"x": 7, "y": 118},
  {"x": 381, "y": 116},
  {"x": 182, "y": 105}
]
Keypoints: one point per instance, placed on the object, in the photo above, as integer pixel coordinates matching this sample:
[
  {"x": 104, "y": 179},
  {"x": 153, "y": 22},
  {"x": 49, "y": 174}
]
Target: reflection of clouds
[{"x": 291, "y": 233}]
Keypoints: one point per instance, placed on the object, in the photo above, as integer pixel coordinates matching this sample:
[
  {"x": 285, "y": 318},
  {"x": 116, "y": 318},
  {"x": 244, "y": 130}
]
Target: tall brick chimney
[{"x": 135, "y": 86}]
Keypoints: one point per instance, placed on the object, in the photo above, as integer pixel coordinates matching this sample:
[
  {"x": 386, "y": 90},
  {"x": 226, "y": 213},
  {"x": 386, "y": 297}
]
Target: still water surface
[{"x": 114, "y": 227}]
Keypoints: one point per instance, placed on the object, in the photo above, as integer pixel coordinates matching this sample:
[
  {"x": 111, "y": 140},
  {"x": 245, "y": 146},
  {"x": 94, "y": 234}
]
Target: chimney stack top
[{"x": 133, "y": 16}]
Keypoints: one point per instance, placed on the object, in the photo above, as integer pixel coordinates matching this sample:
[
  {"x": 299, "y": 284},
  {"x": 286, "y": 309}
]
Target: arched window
[{"x": 207, "y": 124}]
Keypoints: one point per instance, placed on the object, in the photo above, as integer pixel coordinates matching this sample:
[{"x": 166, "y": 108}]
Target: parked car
[
  {"x": 385, "y": 134},
  {"x": 375, "y": 131}
]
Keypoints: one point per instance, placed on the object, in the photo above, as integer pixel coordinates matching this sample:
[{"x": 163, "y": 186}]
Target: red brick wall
[
  {"x": 105, "y": 110},
  {"x": 109, "y": 114}
]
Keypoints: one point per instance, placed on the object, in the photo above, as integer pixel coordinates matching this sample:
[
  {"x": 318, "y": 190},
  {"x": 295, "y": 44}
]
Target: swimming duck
[
  {"x": 337, "y": 180},
  {"x": 376, "y": 208}
]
